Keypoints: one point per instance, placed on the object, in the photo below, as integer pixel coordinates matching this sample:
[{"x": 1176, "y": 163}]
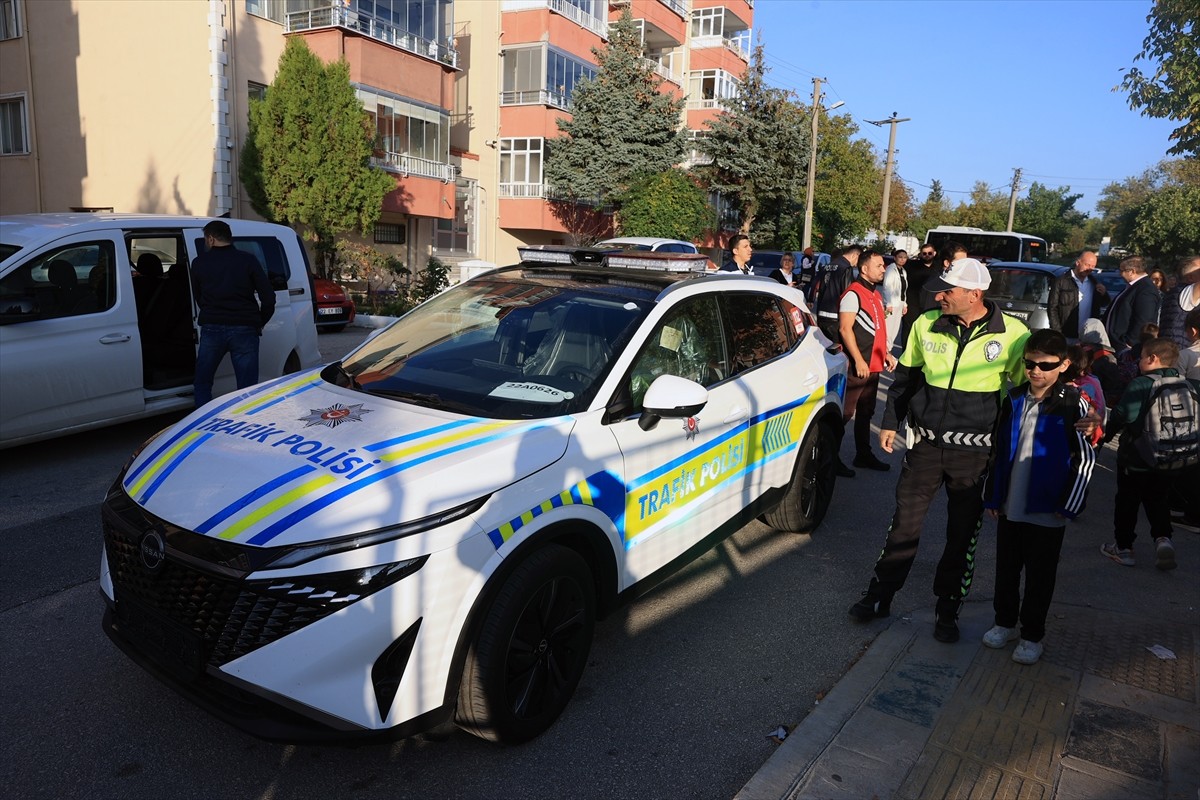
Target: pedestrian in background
[
  {"x": 864, "y": 340},
  {"x": 833, "y": 282},
  {"x": 1179, "y": 301},
  {"x": 786, "y": 273},
  {"x": 225, "y": 281},
  {"x": 808, "y": 273},
  {"x": 1139, "y": 482},
  {"x": 1075, "y": 297},
  {"x": 1033, "y": 498},
  {"x": 895, "y": 295},
  {"x": 918, "y": 272},
  {"x": 948, "y": 386},
  {"x": 1134, "y": 308},
  {"x": 739, "y": 254}
]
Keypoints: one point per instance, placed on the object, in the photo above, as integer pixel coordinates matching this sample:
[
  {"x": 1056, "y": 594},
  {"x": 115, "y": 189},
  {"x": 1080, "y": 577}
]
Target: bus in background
[{"x": 990, "y": 245}]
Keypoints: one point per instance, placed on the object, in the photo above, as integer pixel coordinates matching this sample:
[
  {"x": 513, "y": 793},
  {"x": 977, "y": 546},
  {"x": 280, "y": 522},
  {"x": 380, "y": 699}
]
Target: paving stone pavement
[{"x": 1100, "y": 716}]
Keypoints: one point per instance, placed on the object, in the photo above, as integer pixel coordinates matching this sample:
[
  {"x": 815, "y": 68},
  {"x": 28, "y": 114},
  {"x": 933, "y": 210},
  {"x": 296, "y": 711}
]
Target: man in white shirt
[{"x": 1075, "y": 297}]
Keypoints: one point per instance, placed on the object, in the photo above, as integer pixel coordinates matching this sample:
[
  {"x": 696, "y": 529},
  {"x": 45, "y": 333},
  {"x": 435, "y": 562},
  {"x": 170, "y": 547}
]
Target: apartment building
[{"x": 143, "y": 106}]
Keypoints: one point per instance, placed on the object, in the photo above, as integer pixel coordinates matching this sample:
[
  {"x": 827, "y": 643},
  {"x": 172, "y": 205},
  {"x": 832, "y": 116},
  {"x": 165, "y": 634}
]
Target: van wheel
[
  {"x": 531, "y": 649},
  {"x": 292, "y": 364},
  {"x": 811, "y": 491}
]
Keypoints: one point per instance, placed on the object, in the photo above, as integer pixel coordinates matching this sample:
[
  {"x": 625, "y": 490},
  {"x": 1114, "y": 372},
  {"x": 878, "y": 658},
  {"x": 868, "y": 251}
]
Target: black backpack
[{"x": 1170, "y": 437}]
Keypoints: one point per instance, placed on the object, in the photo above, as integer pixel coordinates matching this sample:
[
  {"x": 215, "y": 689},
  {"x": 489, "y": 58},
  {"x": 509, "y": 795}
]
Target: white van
[{"x": 88, "y": 339}]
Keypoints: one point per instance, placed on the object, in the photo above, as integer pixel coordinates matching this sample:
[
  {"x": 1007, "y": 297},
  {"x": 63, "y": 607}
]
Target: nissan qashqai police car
[{"x": 429, "y": 529}]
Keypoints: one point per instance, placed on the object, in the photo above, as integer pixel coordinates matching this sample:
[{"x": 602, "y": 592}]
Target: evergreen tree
[
  {"x": 306, "y": 161},
  {"x": 668, "y": 205},
  {"x": 759, "y": 151},
  {"x": 621, "y": 128}
]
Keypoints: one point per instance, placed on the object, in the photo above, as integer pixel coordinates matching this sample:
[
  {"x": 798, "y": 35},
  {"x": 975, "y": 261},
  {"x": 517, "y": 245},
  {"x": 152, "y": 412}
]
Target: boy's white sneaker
[
  {"x": 1027, "y": 652},
  {"x": 1164, "y": 553},
  {"x": 999, "y": 636}
]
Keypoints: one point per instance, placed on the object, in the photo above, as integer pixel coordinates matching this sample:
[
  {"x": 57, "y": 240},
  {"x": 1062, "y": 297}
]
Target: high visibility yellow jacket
[{"x": 951, "y": 378}]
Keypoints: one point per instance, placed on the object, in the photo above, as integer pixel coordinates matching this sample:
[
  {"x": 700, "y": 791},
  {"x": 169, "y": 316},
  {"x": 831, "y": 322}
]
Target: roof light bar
[
  {"x": 627, "y": 259},
  {"x": 668, "y": 262}
]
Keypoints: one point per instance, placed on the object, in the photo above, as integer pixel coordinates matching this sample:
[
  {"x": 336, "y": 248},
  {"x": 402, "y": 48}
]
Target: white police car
[{"x": 429, "y": 529}]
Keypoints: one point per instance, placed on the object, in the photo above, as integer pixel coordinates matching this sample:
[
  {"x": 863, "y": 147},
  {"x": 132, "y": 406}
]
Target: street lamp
[{"x": 812, "y": 160}]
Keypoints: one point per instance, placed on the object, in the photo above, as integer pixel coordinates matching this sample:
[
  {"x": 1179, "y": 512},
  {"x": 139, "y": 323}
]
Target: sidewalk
[{"x": 1100, "y": 716}]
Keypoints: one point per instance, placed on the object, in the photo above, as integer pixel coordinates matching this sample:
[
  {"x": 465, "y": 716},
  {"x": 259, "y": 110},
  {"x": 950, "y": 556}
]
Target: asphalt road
[{"x": 679, "y": 697}]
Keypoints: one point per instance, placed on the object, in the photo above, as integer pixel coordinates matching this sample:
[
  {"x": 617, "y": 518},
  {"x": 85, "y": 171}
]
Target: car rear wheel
[
  {"x": 811, "y": 491},
  {"x": 531, "y": 649}
]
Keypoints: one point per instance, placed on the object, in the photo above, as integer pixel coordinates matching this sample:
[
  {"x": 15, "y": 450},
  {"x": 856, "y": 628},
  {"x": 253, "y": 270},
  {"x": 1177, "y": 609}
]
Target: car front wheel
[
  {"x": 531, "y": 649},
  {"x": 811, "y": 490}
]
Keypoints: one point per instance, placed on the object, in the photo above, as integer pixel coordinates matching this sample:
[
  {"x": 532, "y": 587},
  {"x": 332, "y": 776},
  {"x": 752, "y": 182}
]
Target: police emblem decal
[
  {"x": 991, "y": 350},
  {"x": 335, "y": 415},
  {"x": 691, "y": 427}
]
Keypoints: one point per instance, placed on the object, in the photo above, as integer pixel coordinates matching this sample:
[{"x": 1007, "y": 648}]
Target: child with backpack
[
  {"x": 1159, "y": 414},
  {"x": 1038, "y": 482}
]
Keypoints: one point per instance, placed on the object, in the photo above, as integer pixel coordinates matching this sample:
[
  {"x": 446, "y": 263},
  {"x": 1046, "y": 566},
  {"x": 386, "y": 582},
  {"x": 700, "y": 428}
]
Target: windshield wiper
[
  {"x": 427, "y": 399},
  {"x": 344, "y": 377}
]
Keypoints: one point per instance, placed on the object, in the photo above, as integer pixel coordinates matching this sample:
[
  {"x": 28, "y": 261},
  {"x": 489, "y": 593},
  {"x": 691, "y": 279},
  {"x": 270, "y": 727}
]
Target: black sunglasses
[
  {"x": 1044, "y": 366},
  {"x": 928, "y": 253}
]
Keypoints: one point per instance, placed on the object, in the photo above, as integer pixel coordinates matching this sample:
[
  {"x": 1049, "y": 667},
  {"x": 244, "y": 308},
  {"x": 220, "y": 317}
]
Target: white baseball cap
[{"x": 965, "y": 273}]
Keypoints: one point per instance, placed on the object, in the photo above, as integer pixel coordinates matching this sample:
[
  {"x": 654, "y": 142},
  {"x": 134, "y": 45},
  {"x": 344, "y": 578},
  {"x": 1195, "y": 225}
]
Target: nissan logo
[{"x": 153, "y": 550}]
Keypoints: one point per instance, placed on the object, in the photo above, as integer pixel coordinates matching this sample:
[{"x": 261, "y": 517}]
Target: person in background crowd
[
  {"x": 739, "y": 252},
  {"x": 895, "y": 295},
  {"x": 1185, "y": 497},
  {"x": 1158, "y": 278},
  {"x": 1180, "y": 301},
  {"x": 1039, "y": 481},
  {"x": 1075, "y": 297},
  {"x": 864, "y": 338},
  {"x": 1138, "y": 483},
  {"x": 832, "y": 284},
  {"x": 786, "y": 274},
  {"x": 1133, "y": 308},
  {"x": 1102, "y": 359},
  {"x": 918, "y": 273},
  {"x": 1079, "y": 374},
  {"x": 808, "y": 272}
]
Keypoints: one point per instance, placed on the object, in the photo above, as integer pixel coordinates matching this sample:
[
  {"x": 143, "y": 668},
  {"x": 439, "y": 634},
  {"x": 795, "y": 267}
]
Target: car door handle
[
  {"x": 115, "y": 338},
  {"x": 811, "y": 379},
  {"x": 736, "y": 415}
]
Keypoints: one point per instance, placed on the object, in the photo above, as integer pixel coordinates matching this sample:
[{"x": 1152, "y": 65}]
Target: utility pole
[
  {"x": 887, "y": 173},
  {"x": 1012, "y": 198},
  {"x": 812, "y": 165}
]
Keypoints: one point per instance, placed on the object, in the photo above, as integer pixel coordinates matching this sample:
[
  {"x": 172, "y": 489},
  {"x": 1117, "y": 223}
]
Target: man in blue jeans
[{"x": 225, "y": 281}]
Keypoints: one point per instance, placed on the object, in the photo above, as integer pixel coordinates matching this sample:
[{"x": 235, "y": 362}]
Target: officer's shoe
[
  {"x": 945, "y": 628},
  {"x": 843, "y": 471},
  {"x": 871, "y": 606},
  {"x": 871, "y": 461}
]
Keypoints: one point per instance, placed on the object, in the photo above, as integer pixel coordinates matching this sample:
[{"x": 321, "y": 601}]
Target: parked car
[
  {"x": 87, "y": 341},
  {"x": 649, "y": 243},
  {"x": 335, "y": 309},
  {"x": 1022, "y": 289},
  {"x": 1112, "y": 281},
  {"x": 429, "y": 529}
]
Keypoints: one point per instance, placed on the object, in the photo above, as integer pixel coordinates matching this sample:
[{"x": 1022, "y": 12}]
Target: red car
[{"x": 335, "y": 309}]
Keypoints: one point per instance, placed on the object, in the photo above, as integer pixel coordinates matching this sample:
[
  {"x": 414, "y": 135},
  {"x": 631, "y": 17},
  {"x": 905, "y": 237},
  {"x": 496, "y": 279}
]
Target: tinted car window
[
  {"x": 73, "y": 280},
  {"x": 687, "y": 343},
  {"x": 758, "y": 329},
  {"x": 1020, "y": 285},
  {"x": 269, "y": 252}
]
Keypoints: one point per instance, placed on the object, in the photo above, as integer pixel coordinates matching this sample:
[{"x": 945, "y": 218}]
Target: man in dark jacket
[
  {"x": 740, "y": 252},
  {"x": 225, "y": 281},
  {"x": 833, "y": 283},
  {"x": 1075, "y": 297},
  {"x": 1134, "y": 307}
]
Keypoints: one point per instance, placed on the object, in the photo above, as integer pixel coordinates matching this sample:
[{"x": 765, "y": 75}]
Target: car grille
[{"x": 231, "y": 617}]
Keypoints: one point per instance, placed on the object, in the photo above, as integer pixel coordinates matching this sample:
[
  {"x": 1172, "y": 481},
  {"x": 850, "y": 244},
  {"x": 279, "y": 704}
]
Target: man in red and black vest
[{"x": 863, "y": 328}]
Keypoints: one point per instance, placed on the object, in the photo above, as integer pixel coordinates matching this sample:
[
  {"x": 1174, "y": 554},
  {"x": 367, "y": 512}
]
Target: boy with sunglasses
[{"x": 1034, "y": 497}]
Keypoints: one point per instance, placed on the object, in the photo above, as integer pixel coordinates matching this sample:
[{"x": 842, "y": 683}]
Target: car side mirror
[{"x": 671, "y": 397}]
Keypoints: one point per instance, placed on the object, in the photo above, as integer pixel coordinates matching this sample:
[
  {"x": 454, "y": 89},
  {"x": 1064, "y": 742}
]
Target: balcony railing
[
  {"x": 572, "y": 12},
  {"x": 534, "y": 97},
  {"x": 734, "y": 45},
  {"x": 678, "y": 6},
  {"x": 536, "y": 190},
  {"x": 662, "y": 71},
  {"x": 414, "y": 165},
  {"x": 373, "y": 27}
]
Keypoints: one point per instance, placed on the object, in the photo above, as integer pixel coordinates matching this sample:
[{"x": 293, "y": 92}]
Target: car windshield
[
  {"x": 514, "y": 345},
  {"x": 1020, "y": 285}
]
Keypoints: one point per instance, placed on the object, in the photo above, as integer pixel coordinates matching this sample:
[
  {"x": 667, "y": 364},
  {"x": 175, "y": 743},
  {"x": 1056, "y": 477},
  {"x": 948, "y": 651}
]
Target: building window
[
  {"x": 274, "y": 10},
  {"x": 409, "y": 137},
  {"x": 707, "y": 87},
  {"x": 453, "y": 236},
  {"x": 521, "y": 167},
  {"x": 708, "y": 22},
  {"x": 541, "y": 75},
  {"x": 10, "y": 25},
  {"x": 256, "y": 91},
  {"x": 389, "y": 233},
  {"x": 14, "y": 135}
]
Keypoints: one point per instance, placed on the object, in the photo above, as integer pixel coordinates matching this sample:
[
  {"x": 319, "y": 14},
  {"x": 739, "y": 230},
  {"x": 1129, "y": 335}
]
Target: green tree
[
  {"x": 984, "y": 209},
  {"x": 849, "y": 183},
  {"x": 307, "y": 160},
  {"x": 933, "y": 212},
  {"x": 1172, "y": 90},
  {"x": 1121, "y": 202},
  {"x": 668, "y": 205},
  {"x": 900, "y": 205},
  {"x": 759, "y": 154},
  {"x": 1167, "y": 226},
  {"x": 621, "y": 127},
  {"x": 1048, "y": 213}
]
